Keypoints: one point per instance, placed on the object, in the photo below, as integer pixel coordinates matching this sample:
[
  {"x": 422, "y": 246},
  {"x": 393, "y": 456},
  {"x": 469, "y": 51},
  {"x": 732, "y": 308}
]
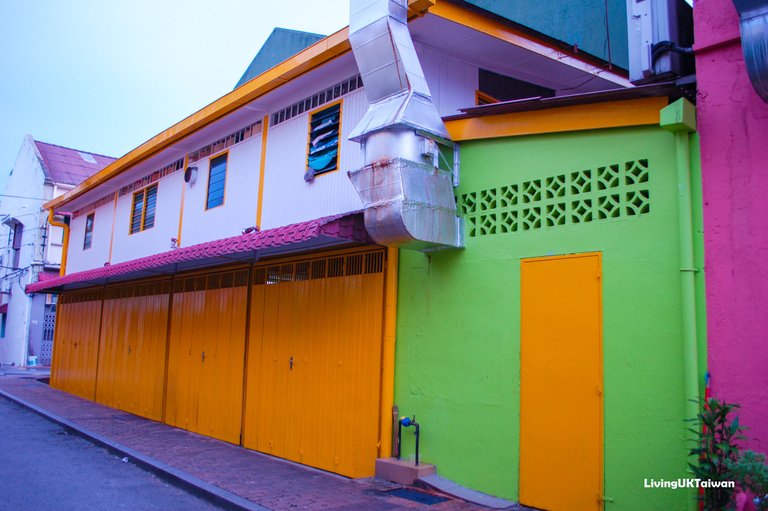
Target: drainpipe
[
  {"x": 65, "y": 246},
  {"x": 679, "y": 118}
]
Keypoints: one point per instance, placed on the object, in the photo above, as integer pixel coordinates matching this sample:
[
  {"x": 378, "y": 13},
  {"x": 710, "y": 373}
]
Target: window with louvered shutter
[
  {"x": 143, "y": 210},
  {"x": 323, "y": 150}
]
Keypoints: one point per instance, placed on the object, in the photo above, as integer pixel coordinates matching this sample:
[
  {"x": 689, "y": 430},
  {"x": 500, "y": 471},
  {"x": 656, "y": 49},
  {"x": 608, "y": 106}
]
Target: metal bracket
[{"x": 446, "y": 143}]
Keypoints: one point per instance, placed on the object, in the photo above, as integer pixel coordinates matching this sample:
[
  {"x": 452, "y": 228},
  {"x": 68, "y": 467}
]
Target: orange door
[
  {"x": 206, "y": 354},
  {"x": 132, "y": 352},
  {"x": 77, "y": 341},
  {"x": 314, "y": 362},
  {"x": 561, "y": 423}
]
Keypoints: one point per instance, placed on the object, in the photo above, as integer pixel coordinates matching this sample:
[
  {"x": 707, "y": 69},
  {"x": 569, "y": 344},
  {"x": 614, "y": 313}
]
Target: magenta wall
[{"x": 733, "y": 124}]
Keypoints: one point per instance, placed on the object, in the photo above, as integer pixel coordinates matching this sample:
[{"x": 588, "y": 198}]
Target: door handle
[
  {"x": 290, "y": 364},
  {"x": 203, "y": 356}
]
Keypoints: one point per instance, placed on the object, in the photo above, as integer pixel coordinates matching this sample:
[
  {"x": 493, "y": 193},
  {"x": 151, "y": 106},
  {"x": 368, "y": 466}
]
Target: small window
[
  {"x": 323, "y": 150},
  {"x": 88, "y": 231},
  {"x": 143, "y": 210},
  {"x": 217, "y": 179}
]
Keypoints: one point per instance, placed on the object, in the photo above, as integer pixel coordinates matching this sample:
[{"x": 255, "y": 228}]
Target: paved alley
[
  {"x": 44, "y": 467},
  {"x": 261, "y": 480}
]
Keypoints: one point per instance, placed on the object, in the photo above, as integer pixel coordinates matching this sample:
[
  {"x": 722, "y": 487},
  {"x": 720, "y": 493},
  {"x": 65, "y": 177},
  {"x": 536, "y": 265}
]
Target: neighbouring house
[
  {"x": 733, "y": 122},
  {"x": 433, "y": 208},
  {"x": 281, "y": 44},
  {"x": 32, "y": 248}
]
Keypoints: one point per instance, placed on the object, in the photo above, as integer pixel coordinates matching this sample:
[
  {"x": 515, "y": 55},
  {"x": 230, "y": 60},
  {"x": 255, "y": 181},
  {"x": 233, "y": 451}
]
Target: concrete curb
[{"x": 188, "y": 482}]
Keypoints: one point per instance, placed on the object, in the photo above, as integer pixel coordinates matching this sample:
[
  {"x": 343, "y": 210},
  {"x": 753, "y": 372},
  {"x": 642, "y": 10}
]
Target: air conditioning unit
[{"x": 660, "y": 39}]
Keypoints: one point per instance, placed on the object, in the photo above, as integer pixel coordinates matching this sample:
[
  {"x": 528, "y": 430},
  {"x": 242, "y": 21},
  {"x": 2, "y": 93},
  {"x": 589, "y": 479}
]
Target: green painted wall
[{"x": 458, "y": 342}]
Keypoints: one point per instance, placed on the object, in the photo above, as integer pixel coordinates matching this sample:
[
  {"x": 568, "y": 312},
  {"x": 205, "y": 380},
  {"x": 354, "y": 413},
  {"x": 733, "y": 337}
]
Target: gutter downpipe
[
  {"x": 65, "y": 245},
  {"x": 388, "y": 354},
  {"x": 679, "y": 118}
]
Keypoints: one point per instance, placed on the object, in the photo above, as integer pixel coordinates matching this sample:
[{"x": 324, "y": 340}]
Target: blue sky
[{"x": 106, "y": 76}]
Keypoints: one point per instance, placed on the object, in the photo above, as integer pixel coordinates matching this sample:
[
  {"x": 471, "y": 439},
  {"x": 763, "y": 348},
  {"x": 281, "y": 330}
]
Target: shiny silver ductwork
[
  {"x": 753, "y": 20},
  {"x": 408, "y": 198}
]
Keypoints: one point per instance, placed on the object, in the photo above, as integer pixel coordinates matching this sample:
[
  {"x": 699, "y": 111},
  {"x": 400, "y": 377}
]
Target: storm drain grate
[{"x": 417, "y": 496}]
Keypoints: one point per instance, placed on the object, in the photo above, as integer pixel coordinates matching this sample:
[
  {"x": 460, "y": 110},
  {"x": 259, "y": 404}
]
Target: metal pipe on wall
[{"x": 679, "y": 118}]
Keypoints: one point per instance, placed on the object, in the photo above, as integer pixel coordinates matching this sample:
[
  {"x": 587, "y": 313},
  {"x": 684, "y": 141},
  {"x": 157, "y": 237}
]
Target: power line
[{"x": 21, "y": 197}]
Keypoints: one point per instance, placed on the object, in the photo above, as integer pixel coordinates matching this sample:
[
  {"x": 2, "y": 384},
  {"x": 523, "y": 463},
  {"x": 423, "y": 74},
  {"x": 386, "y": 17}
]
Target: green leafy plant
[
  {"x": 751, "y": 474},
  {"x": 717, "y": 450}
]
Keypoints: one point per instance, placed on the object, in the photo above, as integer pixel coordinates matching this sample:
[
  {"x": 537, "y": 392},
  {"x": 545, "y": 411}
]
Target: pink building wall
[{"x": 733, "y": 125}]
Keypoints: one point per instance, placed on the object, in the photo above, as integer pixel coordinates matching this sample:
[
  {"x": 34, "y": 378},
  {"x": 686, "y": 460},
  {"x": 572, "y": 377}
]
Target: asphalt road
[{"x": 42, "y": 468}]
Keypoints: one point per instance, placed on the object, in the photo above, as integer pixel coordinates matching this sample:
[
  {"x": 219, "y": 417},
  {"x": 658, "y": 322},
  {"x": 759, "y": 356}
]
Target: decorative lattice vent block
[{"x": 610, "y": 192}]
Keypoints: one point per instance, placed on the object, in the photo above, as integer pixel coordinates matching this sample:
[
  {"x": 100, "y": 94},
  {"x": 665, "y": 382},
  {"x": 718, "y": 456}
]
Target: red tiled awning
[
  {"x": 4, "y": 308},
  {"x": 315, "y": 234}
]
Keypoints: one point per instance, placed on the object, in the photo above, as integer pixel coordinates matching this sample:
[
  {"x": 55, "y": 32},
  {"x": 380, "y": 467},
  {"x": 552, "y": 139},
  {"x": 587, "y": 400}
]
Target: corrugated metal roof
[
  {"x": 63, "y": 165},
  {"x": 281, "y": 44},
  {"x": 669, "y": 89},
  {"x": 318, "y": 233}
]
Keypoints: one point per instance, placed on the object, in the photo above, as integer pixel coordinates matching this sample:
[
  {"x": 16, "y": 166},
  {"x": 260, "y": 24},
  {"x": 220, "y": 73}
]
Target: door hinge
[{"x": 603, "y": 498}]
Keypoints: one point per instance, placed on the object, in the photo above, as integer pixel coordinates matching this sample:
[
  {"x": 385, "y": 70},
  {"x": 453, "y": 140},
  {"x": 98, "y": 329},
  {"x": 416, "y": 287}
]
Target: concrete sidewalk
[{"x": 228, "y": 475}]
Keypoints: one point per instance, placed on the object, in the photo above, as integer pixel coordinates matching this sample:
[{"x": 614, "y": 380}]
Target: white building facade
[{"x": 31, "y": 247}]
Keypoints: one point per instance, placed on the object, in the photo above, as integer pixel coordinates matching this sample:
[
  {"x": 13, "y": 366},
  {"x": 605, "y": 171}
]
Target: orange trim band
[
  {"x": 181, "y": 206},
  {"x": 632, "y": 112},
  {"x": 112, "y": 236},
  {"x": 262, "y": 168},
  {"x": 65, "y": 246},
  {"x": 387, "y": 399}
]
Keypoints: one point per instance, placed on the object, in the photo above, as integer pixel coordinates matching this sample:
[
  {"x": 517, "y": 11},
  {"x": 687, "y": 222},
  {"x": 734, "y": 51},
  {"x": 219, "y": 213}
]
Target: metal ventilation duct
[
  {"x": 408, "y": 200},
  {"x": 753, "y": 17},
  {"x": 391, "y": 71}
]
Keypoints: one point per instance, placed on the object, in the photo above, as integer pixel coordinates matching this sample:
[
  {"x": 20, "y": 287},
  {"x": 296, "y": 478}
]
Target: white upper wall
[
  {"x": 241, "y": 191},
  {"x": 80, "y": 258},
  {"x": 127, "y": 246},
  {"x": 288, "y": 198}
]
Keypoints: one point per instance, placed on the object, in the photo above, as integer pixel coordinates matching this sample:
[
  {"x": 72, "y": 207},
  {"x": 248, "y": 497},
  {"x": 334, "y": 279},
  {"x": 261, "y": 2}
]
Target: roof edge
[
  {"x": 669, "y": 89},
  {"x": 310, "y": 58}
]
